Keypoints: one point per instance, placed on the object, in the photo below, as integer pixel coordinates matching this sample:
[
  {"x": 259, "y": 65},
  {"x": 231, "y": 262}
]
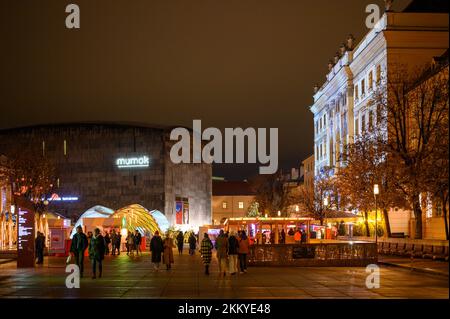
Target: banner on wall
[
  {"x": 57, "y": 241},
  {"x": 185, "y": 212},
  {"x": 179, "y": 212}
]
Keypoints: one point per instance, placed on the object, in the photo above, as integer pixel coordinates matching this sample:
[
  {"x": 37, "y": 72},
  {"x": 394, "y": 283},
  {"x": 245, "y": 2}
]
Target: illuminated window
[
  {"x": 363, "y": 87},
  {"x": 241, "y": 205},
  {"x": 370, "y": 121},
  {"x": 65, "y": 147},
  {"x": 356, "y": 126},
  {"x": 43, "y": 148},
  {"x": 438, "y": 209},
  {"x": 370, "y": 80},
  {"x": 224, "y": 205},
  {"x": 378, "y": 74}
]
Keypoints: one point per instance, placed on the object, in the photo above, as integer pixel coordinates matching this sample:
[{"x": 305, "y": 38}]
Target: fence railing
[{"x": 314, "y": 254}]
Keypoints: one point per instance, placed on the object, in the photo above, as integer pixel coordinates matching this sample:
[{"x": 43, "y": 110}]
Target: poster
[
  {"x": 57, "y": 241},
  {"x": 179, "y": 212},
  {"x": 185, "y": 212},
  {"x": 25, "y": 239}
]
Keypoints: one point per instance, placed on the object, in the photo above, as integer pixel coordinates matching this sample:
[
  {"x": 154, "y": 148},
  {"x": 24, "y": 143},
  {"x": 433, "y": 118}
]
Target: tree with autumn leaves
[
  {"x": 32, "y": 176},
  {"x": 414, "y": 106},
  {"x": 407, "y": 153}
]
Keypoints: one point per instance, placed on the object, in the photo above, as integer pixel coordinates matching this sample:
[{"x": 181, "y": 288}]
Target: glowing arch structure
[
  {"x": 138, "y": 217},
  {"x": 131, "y": 217},
  {"x": 93, "y": 212}
]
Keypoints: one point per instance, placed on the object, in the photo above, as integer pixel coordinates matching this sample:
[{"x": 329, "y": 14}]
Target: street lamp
[
  {"x": 376, "y": 191},
  {"x": 325, "y": 204}
]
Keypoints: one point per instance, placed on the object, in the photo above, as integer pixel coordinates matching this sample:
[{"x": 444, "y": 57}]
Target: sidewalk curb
[
  {"x": 421, "y": 270},
  {"x": 5, "y": 261}
]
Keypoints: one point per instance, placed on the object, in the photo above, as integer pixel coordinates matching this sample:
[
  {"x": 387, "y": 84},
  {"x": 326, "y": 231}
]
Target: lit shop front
[{"x": 268, "y": 229}]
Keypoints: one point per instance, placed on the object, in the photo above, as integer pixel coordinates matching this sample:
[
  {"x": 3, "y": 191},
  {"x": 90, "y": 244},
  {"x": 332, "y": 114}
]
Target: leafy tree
[
  {"x": 253, "y": 209},
  {"x": 366, "y": 165},
  {"x": 271, "y": 194},
  {"x": 415, "y": 109},
  {"x": 312, "y": 198},
  {"x": 33, "y": 176}
]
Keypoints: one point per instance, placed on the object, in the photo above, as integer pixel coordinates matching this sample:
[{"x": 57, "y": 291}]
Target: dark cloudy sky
[{"x": 229, "y": 63}]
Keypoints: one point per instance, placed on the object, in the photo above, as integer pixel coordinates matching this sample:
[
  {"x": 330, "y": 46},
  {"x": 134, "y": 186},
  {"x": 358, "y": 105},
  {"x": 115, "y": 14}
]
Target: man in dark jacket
[
  {"x": 180, "y": 242},
  {"x": 137, "y": 242},
  {"x": 79, "y": 245},
  {"x": 233, "y": 249},
  {"x": 97, "y": 252},
  {"x": 156, "y": 248},
  {"x": 192, "y": 244},
  {"x": 118, "y": 242},
  {"x": 107, "y": 242},
  {"x": 39, "y": 246}
]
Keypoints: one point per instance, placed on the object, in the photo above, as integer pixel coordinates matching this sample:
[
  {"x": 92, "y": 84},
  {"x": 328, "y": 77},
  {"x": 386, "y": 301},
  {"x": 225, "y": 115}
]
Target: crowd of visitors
[{"x": 231, "y": 249}]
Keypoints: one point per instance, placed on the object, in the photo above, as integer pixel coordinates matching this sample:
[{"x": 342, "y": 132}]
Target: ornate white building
[{"x": 341, "y": 105}]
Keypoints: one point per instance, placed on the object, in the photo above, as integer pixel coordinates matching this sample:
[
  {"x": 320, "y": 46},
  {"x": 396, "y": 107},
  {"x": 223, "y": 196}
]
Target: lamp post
[
  {"x": 325, "y": 204},
  {"x": 376, "y": 191}
]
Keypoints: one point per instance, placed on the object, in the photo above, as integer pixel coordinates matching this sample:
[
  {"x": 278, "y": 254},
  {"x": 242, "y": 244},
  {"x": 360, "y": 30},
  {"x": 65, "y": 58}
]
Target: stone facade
[
  {"x": 342, "y": 105},
  {"x": 86, "y": 159}
]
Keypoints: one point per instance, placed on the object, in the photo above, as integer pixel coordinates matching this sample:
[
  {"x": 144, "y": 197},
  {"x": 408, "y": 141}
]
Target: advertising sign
[
  {"x": 25, "y": 239},
  {"x": 57, "y": 241},
  {"x": 179, "y": 212},
  {"x": 185, "y": 212}
]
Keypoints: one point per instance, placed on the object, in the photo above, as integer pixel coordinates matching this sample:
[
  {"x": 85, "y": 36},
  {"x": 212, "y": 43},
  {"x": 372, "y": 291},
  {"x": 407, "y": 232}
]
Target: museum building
[{"x": 115, "y": 166}]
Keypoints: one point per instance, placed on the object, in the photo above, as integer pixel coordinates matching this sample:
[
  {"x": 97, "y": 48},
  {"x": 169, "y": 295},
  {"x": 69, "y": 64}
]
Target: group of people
[
  {"x": 192, "y": 240},
  {"x": 230, "y": 247},
  {"x": 98, "y": 247},
  {"x": 299, "y": 235}
]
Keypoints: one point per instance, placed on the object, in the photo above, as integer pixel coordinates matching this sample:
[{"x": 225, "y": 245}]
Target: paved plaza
[{"x": 133, "y": 277}]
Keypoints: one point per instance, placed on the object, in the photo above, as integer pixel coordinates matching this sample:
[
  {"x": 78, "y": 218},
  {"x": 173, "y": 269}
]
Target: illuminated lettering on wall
[
  {"x": 56, "y": 198},
  {"x": 133, "y": 162}
]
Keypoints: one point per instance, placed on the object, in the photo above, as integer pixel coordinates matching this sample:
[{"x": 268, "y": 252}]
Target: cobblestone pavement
[{"x": 134, "y": 277}]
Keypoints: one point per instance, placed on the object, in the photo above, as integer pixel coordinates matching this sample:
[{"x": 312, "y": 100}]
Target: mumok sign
[{"x": 133, "y": 162}]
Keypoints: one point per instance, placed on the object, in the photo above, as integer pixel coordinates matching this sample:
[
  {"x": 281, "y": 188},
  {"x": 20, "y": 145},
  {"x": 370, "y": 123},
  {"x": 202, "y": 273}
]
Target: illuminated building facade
[{"x": 342, "y": 106}]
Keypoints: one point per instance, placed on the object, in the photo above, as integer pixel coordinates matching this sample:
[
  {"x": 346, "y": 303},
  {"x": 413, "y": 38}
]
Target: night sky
[{"x": 230, "y": 63}]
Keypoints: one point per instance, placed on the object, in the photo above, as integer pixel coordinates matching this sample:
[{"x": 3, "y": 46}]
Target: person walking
[
  {"x": 118, "y": 242},
  {"x": 113, "y": 242},
  {"x": 97, "y": 249},
  {"x": 222, "y": 252},
  {"x": 39, "y": 244},
  {"x": 244, "y": 245},
  {"x": 107, "y": 242},
  {"x": 156, "y": 248},
  {"x": 130, "y": 243},
  {"x": 297, "y": 236},
  {"x": 206, "y": 252},
  {"x": 282, "y": 237},
  {"x": 303, "y": 237},
  {"x": 192, "y": 244},
  {"x": 137, "y": 242},
  {"x": 233, "y": 249},
  {"x": 168, "y": 251},
  {"x": 180, "y": 242},
  {"x": 78, "y": 246}
]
